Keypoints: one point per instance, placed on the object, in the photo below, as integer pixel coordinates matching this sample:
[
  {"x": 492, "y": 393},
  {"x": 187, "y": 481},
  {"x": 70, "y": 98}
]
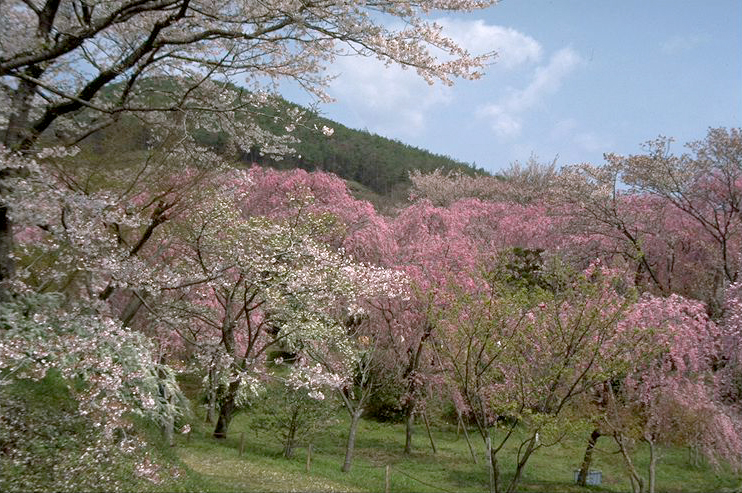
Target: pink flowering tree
[
  {"x": 704, "y": 183},
  {"x": 668, "y": 392},
  {"x": 524, "y": 356},
  {"x": 353, "y": 226},
  {"x": 520, "y": 183},
  {"x": 666, "y": 249},
  {"x": 730, "y": 374}
]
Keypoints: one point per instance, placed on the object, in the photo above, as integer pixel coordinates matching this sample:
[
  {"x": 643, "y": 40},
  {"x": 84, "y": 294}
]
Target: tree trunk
[
  {"x": 226, "y": 411},
  {"x": 491, "y": 464},
  {"x": 522, "y": 465},
  {"x": 7, "y": 265},
  {"x": 211, "y": 396},
  {"x": 355, "y": 417},
  {"x": 410, "y": 421},
  {"x": 288, "y": 449},
  {"x": 652, "y": 463},
  {"x": 466, "y": 435},
  {"x": 637, "y": 482},
  {"x": 588, "y": 459},
  {"x": 430, "y": 435}
]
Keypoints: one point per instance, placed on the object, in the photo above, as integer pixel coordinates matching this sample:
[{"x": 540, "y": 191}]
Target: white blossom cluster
[
  {"x": 114, "y": 364},
  {"x": 314, "y": 379}
]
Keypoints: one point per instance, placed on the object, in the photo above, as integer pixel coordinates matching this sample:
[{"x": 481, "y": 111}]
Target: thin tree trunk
[
  {"x": 355, "y": 417},
  {"x": 491, "y": 464},
  {"x": 427, "y": 427},
  {"x": 652, "y": 463},
  {"x": 466, "y": 435},
  {"x": 7, "y": 264},
  {"x": 637, "y": 482},
  {"x": 588, "y": 459},
  {"x": 410, "y": 421},
  {"x": 522, "y": 465},
  {"x": 288, "y": 449},
  {"x": 211, "y": 391}
]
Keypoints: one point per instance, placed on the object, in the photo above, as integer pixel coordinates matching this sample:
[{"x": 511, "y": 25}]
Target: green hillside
[{"x": 379, "y": 164}]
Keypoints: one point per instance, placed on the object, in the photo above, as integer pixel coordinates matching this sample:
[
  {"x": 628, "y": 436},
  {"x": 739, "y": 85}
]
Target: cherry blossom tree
[
  {"x": 523, "y": 358},
  {"x": 731, "y": 347},
  {"x": 247, "y": 284},
  {"x": 704, "y": 183},
  {"x": 668, "y": 393},
  {"x": 521, "y": 183},
  {"x": 666, "y": 249}
]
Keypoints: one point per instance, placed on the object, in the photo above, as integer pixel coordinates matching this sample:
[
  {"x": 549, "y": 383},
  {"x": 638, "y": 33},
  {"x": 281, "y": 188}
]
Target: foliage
[
  {"x": 300, "y": 407},
  {"x": 47, "y": 444}
]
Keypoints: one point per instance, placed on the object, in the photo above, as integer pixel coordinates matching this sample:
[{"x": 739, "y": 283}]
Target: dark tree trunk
[
  {"x": 288, "y": 449},
  {"x": 412, "y": 387},
  {"x": 7, "y": 265},
  {"x": 409, "y": 422},
  {"x": 16, "y": 132},
  {"x": 226, "y": 411},
  {"x": 588, "y": 459},
  {"x": 355, "y": 417}
]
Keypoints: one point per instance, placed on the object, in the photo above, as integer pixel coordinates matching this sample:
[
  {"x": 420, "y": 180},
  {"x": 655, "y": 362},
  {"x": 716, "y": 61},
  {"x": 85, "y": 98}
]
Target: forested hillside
[{"x": 379, "y": 164}]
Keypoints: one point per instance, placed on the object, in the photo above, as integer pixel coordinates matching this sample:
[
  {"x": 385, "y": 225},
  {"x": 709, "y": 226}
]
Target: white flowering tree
[{"x": 243, "y": 285}]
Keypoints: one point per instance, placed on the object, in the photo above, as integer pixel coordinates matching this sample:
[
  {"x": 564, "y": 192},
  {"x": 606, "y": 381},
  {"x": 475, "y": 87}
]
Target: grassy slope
[{"x": 261, "y": 467}]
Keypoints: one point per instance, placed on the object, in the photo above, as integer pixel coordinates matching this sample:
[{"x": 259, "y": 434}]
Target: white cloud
[
  {"x": 394, "y": 101},
  {"x": 388, "y": 100},
  {"x": 506, "y": 115},
  {"x": 680, "y": 44},
  {"x": 513, "y": 48},
  {"x": 570, "y": 131}
]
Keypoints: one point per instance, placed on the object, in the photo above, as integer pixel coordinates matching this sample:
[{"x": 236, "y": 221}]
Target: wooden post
[
  {"x": 309, "y": 458},
  {"x": 388, "y": 479},
  {"x": 242, "y": 443}
]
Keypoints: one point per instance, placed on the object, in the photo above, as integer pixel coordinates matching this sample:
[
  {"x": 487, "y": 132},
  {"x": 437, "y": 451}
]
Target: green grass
[
  {"x": 55, "y": 440},
  {"x": 262, "y": 468}
]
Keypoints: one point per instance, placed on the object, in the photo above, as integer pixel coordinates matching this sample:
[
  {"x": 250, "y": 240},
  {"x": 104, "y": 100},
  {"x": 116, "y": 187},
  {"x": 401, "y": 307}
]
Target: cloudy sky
[{"x": 573, "y": 79}]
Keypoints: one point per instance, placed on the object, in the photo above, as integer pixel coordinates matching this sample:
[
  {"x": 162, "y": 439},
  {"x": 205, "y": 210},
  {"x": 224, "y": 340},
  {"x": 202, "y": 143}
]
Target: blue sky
[{"x": 573, "y": 79}]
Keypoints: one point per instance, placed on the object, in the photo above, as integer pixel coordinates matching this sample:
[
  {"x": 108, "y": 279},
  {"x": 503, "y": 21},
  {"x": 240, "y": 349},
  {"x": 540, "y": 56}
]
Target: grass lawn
[{"x": 221, "y": 468}]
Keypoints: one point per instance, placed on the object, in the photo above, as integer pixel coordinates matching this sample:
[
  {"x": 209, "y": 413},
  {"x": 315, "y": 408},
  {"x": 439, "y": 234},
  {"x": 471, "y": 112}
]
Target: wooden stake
[
  {"x": 242, "y": 443},
  {"x": 388, "y": 479},
  {"x": 309, "y": 458}
]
